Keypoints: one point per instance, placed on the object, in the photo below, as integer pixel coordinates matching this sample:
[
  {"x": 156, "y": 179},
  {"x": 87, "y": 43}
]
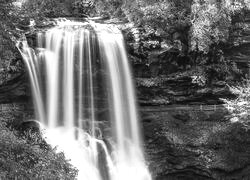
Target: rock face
[
  {"x": 180, "y": 143},
  {"x": 15, "y": 89},
  {"x": 239, "y": 42},
  {"x": 200, "y": 145},
  {"x": 166, "y": 73},
  {"x": 180, "y": 89}
]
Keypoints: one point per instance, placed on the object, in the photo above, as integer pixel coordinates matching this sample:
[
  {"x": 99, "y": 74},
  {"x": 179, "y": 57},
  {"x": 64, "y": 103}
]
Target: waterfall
[{"x": 84, "y": 97}]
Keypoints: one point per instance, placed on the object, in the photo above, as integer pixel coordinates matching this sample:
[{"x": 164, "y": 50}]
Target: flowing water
[{"x": 84, "y": 97}]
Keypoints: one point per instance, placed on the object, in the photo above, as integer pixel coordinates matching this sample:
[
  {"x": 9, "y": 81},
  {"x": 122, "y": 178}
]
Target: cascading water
[{"x": 84, "y": 97}]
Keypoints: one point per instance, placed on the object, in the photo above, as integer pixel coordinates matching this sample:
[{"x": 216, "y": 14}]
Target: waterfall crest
[{"x": 84, "y": 97}]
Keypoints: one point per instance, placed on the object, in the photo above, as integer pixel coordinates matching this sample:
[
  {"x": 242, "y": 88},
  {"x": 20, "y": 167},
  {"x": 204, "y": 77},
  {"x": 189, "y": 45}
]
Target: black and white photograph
[{"x": 124, "y": 89}]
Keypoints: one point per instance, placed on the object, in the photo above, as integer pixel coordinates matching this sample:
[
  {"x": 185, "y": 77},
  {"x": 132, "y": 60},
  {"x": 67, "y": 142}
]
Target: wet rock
[
  {"x": 31, "y": 125},
  {"x": 180, "y": 90},
  {"x": 195, "y": 145},
  {"x": 237, "y": 49},
  {"x": 141, "y": 70},
  {"x": 15, "y": 89},
  {"x": 144, "y": 41}
]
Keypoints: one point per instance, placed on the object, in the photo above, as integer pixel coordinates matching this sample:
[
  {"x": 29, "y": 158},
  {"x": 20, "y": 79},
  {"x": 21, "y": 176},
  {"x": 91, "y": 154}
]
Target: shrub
[
  {"x": 211, "y": 21},
  {"x": 82, "y": 7},
  {"x": 166, "y": 14},
  {"x": 27, "y": 159},
  {"x": 10, "y": 61},
  {"x": 45, "y": 8},
  {"x": 239, "y": 107}
]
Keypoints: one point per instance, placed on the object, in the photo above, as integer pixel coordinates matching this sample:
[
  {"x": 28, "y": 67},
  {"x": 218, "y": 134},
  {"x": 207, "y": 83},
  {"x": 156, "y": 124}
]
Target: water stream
[{"x": 84, "y": 97}]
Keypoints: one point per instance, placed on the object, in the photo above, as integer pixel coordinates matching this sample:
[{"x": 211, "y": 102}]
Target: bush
[
  {"x": 239, "y": 107},
  {"x": 10, "y": 60},
  {"x": 166, "y": 14},
  {"x": 29, "y": 159},
  {"x": 82, "y": 7},
  {"x": 45, "y": 8},
  {"x": 211, "y": 21},
  {"x": 109, "y": 8}
]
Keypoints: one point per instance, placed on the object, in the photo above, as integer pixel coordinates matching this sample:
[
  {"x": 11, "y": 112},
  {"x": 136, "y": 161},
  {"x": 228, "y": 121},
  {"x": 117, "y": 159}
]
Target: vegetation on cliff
[
  {"x": 183, "y": 39},
  {"x": 197, "y": 24},
  {"x": 25, "y": 155},
  {"x": 9, "y": 57},
  {"x": 239, "y": 107},
  {"x": 167, "y": 36}
]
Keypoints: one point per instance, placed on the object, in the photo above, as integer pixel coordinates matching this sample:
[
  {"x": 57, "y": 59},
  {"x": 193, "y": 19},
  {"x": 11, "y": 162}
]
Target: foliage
[
  {"x": 27, "y": 158},
  {"x": 211, "y": 21},
  {"x": 218, "y": 68},
  {"x": 10, "y": 60},
  {"x": 208, "y": 22},
  {"x": 8, "y": 13},
  {"x": 166, "y": 14},
  {"x": 44, "y": 8},
  {"x": 110, "y": 8},
  {"x": 84, "y": 7},
  {"x": 58, "y": 8},
  {"x": 162, "y": 14},
  {"x": 239, "y": 107},
  {"x": 9, "y": 56}
]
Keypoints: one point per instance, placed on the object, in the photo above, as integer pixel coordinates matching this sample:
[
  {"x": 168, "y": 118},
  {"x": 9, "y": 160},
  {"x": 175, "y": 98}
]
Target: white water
[{"x": 75, "y": 74}]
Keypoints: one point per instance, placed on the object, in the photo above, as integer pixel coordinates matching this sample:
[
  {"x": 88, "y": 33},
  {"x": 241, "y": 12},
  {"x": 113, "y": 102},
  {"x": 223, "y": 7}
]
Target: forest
[{"x": 190, "y": 66}]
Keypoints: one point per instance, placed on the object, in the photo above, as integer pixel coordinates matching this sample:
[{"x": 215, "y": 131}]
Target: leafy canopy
[{"x": 211, "y": 21}]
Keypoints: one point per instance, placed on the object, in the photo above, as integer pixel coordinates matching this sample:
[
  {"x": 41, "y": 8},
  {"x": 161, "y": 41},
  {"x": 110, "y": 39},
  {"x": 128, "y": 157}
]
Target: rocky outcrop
[
  {"x": 180, "y": 143},
  {"x": 200, "y": 145},
  {"x": 238, "y": 48},
  {"x": 181, "y": 89},
  {"x": 164, "y": 74},
  {"x": 15, "y": 90},
  {"x": 167, "y": 74}
]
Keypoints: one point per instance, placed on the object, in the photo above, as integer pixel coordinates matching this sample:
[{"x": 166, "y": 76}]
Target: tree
[
  {"x": 9, "y": 17},
  {"x": 211, "y": 21},
  {"x": 45, "y": 8}
]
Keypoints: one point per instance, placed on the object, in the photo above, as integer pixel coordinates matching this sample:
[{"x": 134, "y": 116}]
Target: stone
[
  {"x": 180, "y": 89},
  {"x": 30, "y": 125},
  {"x": 238, "y": 46},
  {"x": 15, "y": 89},
  {"x": 183, "y": 145}
]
